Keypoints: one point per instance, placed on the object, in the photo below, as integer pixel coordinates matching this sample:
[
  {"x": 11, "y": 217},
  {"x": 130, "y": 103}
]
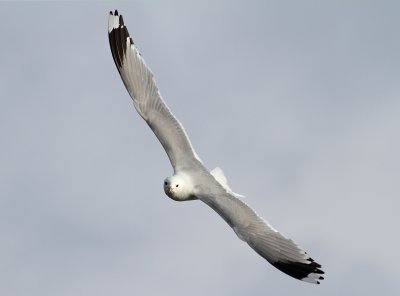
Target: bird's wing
[
  {"x": 278, "y": 250},
  {"x": 139, "y": 81}
]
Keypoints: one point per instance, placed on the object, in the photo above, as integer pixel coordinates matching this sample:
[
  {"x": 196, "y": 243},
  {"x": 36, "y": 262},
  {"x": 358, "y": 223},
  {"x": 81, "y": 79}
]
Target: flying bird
[{"x": 191, "y": 179}]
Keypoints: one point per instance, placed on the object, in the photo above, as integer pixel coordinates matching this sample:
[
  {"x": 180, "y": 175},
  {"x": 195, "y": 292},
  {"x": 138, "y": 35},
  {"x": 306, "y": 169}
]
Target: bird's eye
[
  {"x": 165, "y": 183},
  {"x": 177, "y": 185}
]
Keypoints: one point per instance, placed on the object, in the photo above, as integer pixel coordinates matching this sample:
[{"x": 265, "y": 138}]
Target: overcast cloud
[{"x": 298, "y": 102}]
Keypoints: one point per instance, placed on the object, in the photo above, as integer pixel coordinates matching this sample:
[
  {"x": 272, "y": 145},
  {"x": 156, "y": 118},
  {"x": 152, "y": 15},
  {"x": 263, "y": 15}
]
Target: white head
[{"x": 179, "y": 187}]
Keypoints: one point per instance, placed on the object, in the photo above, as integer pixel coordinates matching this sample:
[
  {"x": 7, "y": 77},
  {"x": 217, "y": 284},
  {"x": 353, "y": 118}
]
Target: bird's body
[{"x": 191, "y": 179}]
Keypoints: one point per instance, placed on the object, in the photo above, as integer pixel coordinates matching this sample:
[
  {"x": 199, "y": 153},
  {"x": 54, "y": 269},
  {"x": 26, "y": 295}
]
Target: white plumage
[{"x": 191, "y": 180}]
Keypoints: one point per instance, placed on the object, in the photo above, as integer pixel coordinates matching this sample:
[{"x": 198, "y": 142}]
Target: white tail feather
[{"x": 219, "y": 175}]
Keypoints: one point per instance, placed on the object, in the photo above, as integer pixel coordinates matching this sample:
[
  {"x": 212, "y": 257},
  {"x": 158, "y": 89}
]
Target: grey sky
[{"x": 299, "y": 104}]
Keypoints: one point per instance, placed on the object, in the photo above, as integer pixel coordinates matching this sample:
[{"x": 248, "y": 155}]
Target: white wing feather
[
  {"x": 278, "y": 250},
  {"x": 139, "y": 81}
]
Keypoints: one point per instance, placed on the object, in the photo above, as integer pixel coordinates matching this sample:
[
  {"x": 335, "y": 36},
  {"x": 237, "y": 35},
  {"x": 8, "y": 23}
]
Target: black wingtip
[
  {"x": 300, "y": 270},
  {"x": 117, "y": 37},
  {"x": 114, "y": 13}
]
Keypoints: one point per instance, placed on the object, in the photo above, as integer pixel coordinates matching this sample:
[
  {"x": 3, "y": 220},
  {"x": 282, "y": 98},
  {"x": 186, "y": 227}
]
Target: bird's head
[{"x": 179, "y": 187}]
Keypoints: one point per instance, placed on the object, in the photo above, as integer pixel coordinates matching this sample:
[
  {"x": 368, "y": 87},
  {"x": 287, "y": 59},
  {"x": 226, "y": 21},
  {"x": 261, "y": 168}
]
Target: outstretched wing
[
  {"x": 278, "y": 250},
  {"x": 139, "y": 81}
]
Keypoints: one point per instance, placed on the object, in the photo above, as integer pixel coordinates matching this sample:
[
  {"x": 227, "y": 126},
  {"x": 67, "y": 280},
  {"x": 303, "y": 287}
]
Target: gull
[{"x": 191, "y": 179}]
